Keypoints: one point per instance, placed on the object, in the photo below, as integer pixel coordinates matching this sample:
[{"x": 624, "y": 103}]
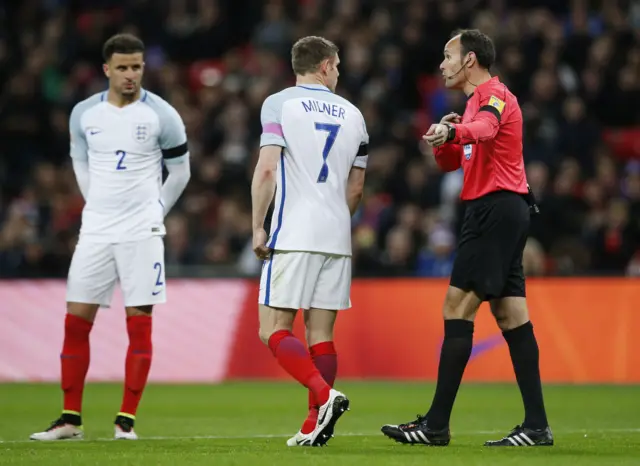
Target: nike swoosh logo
[
  {"x": 486, "y": 344},
  {"x": 156, "y": 293},
  {"x": 94, "y": 132},
  {"x": 323, "y": 417}
]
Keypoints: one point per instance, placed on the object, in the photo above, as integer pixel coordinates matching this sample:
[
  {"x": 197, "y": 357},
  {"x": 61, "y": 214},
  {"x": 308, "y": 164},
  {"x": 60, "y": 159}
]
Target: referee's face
[
  {"x": 452, "y": 67},
  {"x": 124, "y": 71}
]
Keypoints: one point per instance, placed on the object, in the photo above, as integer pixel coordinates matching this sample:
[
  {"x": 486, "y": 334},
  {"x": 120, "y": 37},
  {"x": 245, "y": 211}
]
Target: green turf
[{"x": 243, "y": 423}]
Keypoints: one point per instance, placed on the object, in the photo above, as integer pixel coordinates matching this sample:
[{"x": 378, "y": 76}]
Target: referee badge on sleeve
[{"x": 497, "y": 104}]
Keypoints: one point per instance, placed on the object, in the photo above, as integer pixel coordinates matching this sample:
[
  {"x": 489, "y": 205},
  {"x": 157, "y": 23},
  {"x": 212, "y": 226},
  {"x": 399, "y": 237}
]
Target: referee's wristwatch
[{"x": 452, "y": 132}]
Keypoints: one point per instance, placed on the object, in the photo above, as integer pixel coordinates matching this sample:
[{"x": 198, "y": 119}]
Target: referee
[{"x": 487, "y": 144}]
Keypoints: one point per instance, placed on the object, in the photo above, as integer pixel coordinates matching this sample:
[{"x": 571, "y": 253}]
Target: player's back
[{"x": 323, "y": 133}]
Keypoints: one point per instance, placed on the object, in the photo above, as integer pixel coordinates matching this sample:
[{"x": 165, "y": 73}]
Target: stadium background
[{"x": 575, "y": 67}]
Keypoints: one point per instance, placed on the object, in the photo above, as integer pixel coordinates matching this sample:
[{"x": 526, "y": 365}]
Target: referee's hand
[
  {"x": 452, "y": 117},
  {"x": 260, "y": 249},
  {"x": 437, "y": 135}
]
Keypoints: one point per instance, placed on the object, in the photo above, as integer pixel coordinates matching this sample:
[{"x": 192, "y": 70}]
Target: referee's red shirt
[{"x": 488, "y": 143}]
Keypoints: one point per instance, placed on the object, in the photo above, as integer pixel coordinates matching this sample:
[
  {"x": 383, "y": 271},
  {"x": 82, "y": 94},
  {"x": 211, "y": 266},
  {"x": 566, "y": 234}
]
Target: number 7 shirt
[{"x": 322, "y": 136}]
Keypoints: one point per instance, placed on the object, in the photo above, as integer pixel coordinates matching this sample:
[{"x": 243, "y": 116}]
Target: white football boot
[
  {"x": 300, "y": 440},
  {"x": 124, "y": 428},
  {"x": 60, "y": 430},
  {"x": 328, "y": 415}
]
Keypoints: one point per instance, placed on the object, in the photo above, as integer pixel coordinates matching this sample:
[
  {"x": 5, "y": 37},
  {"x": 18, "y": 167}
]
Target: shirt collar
[
  {"x": 492, "y": 81},
  {"x": 315, "y": 87}
]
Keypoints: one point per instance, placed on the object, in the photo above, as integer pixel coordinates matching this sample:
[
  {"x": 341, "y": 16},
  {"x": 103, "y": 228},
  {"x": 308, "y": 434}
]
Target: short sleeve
[
  {"x": 362, "y": 157},
  {"x": 78, "y": 141},
  {"x": 271, "y": 119},
  {"x": 173, "y": 135}
]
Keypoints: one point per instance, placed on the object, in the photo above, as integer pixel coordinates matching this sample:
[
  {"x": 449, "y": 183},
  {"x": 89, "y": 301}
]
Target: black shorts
[{"x": 492, "y": 239}]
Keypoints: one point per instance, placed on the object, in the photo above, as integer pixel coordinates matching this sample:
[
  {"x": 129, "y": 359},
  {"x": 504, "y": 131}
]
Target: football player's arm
[
  {"x": 263, "y": 184},
  {"x": 272, "y": 143},
  {"x": 448, "y": 157},
  {"x": 355, "y": 188},
  {"x": 484, "y": 126},
  {"x": 175, "y": 154},
  {"x": 355, "y": 182},
  {"x": 78, "y": 150}
]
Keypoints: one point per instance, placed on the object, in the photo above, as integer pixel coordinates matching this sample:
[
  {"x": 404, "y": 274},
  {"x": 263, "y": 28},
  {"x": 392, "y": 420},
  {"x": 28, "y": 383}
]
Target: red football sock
[
  {"x": 74, "y": 361},
  {"x": 294, "y": 358},
  {"x": 326, "y": 360},
  {"x": 137, "y": 364}
]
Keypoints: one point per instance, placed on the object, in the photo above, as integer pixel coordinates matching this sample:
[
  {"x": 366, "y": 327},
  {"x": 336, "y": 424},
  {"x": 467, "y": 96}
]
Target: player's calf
[
  {"x": 138, "y": 362},
  {"x": 325, "y": 359}
]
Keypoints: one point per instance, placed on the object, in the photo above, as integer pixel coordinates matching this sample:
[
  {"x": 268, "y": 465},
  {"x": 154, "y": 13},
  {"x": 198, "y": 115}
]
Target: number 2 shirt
[{"x": 125, "y": 149}]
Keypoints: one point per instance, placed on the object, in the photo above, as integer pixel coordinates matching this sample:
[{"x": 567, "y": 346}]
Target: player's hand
[
  {"x": 260, "y": 249},
  {"x": 437, "y": 135},
  {"x": 452, "y": 117}
]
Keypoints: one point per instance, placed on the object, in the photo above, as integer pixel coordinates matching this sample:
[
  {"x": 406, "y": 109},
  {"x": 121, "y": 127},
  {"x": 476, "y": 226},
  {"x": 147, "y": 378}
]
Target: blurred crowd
[{"x": 574, "y": 66}]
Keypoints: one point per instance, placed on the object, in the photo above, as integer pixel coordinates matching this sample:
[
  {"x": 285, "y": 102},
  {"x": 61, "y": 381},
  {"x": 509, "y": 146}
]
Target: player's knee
[
  {"x": 510, "y": 313},
  {"x": 83, "y": 310},
  {"x": 265, "y": 335},
  {"x": 460, "y": 304},
  {"x": 319, "y": 324},
  {"x": 315, "y": 336},
  {"x": 133, "y": 311}
]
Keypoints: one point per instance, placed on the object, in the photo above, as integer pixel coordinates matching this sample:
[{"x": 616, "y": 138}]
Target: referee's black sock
[
  {"x": 455, "y": 353},
  {"x": 525, "y": 357}
]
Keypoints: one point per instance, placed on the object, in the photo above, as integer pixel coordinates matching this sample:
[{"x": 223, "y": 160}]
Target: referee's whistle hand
[{"x": 450, "y": 118}]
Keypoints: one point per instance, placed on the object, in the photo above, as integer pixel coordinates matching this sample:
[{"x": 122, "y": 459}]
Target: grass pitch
[{"x": 248, "y": 423}]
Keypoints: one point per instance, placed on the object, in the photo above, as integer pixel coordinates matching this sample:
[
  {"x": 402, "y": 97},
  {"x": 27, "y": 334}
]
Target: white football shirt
[
  {"x": 125, "y": 148},
  {"x": 322, "y": 136}
]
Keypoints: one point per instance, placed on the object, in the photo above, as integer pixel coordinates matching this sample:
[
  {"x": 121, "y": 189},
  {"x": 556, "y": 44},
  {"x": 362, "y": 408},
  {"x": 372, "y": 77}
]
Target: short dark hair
[
  {"x": 122, "y": 43},
  {"x": 308, "y": 52},
  {"x": 473, "y": 40}
]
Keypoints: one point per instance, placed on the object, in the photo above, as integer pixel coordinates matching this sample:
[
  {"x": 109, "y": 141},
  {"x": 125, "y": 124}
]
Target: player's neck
[
  {"x": 310, "y": 80},
  {"x": 121, "y": 100},
  {"x": 474, "y": 79}
]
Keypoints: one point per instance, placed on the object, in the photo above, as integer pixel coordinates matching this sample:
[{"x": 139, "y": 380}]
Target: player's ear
[
  {"x": 105, "y": 68},
  {"x": 323, "y": 67}
]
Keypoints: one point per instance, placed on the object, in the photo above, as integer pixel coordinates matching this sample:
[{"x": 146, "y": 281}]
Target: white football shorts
[
  {"x": 305, "y": 280},
  {"x": 137, "y": 265}
]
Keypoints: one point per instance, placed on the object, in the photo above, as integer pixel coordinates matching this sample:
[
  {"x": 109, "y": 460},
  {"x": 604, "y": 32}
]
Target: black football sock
[
  {"x": 525, "y": 357},
  {"x": 455, "y": 353}
]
